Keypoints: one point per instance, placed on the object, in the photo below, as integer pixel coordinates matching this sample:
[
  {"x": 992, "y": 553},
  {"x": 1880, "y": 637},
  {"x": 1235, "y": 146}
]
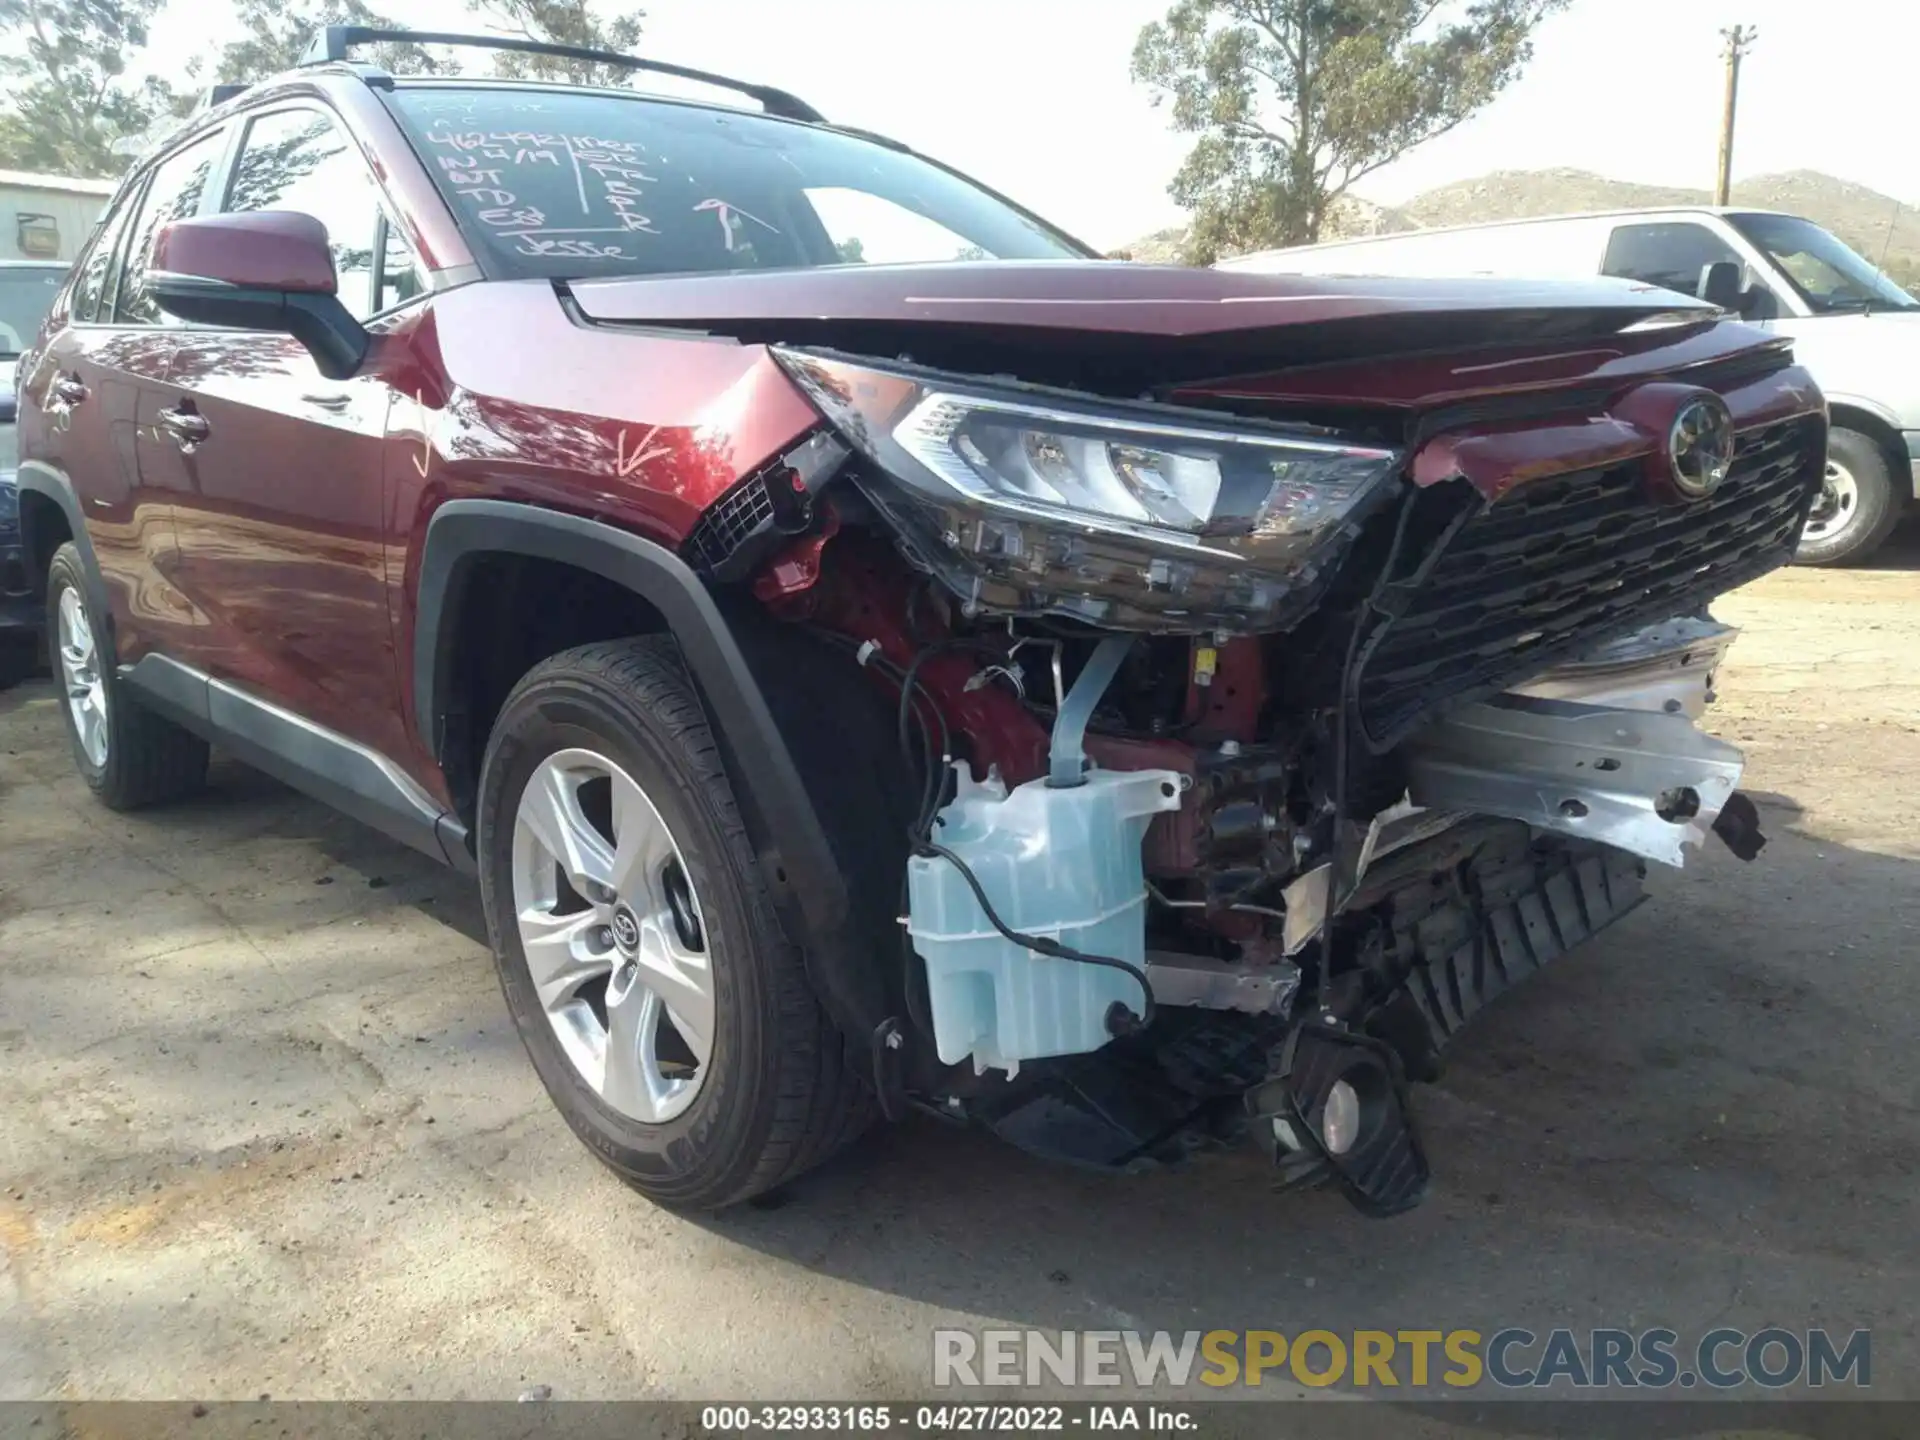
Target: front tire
[
  {"x": 128, "y": 755},
  {"x": 1857, "y": 508},
  {"x": 668, "y": 1016}
]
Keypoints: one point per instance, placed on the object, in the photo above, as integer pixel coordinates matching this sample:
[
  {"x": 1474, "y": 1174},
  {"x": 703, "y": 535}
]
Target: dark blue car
[{"x": 27, "y": 289}]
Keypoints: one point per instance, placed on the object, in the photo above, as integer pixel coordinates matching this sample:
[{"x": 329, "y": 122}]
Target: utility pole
[{"x": 1739, "y": 40}]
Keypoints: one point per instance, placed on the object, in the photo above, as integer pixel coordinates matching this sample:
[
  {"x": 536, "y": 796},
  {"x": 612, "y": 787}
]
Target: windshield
[
  {"x": 569, "y": 184},
  {"x": 1828, "y": 275},
  {"x": 26, "y": 294}
]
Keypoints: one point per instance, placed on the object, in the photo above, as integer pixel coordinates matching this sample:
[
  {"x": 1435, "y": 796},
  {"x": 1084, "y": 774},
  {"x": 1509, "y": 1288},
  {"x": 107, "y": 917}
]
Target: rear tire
[
  {"x": 128, "y": 755},
  {"x": 1857, "y": 508},
  {"x": 767, "y": 1092}
]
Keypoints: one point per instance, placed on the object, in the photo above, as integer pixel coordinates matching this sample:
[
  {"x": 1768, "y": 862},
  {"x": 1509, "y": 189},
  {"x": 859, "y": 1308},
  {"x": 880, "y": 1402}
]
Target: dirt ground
[{"x": 264, "y": 1128}]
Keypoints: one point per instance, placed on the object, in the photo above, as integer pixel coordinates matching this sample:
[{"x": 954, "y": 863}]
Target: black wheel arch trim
[
  {"x": 789, "y": 838},
  {"x": 42, "y": 479}
]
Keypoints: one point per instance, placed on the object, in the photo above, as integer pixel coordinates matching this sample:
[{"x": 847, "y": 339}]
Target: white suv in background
[{"x": 1857, "y": 331}]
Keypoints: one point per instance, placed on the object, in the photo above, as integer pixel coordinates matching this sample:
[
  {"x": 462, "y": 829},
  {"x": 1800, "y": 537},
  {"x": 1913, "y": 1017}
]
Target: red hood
[{"x": 1110, "y": 297}]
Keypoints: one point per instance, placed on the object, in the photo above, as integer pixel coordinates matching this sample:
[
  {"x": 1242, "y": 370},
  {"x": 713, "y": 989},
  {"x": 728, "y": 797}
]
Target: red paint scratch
[
  {"x": 423, "y": 462},
  {"x": 645, "y": 452}
]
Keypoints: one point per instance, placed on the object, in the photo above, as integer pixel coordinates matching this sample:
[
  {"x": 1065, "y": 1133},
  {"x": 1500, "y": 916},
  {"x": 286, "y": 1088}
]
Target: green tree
[
  {"x": 562, "y": 22},
  {"x": 1295, "y": 100},
  {"x": 278, "y": 32},
  {"x": 67, "y": 96}
]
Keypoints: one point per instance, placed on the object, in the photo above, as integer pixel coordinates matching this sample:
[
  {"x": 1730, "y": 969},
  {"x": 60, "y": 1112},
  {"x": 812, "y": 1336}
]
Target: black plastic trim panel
[
  {"x": 43, "y": 479},
  {"x": 344, "y": 774},
  {"x": 1516, "y": 904},
  {"x": 797, "y": 859}
]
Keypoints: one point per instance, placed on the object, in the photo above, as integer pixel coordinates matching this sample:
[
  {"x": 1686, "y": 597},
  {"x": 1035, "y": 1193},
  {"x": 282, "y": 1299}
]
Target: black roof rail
[
  {"x": 219, "y": 94},
  {"x": 333, "y": 42},
  {"x": 876, "y": 137}
]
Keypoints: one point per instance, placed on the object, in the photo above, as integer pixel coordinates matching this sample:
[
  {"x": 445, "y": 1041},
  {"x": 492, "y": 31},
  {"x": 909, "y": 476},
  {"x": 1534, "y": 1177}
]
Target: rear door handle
[
  {"x": 187, "y": 427},
  {"x": 329, "y": 402},
  {"x": 67, "y": 389}
]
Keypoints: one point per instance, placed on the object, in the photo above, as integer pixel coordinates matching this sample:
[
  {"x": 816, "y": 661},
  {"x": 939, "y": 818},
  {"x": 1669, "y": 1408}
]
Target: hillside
[
  {"x": 1516, "y": 194},
  {"x": 1351, "y": 218},
  {"x": 1858, "y": 215}
]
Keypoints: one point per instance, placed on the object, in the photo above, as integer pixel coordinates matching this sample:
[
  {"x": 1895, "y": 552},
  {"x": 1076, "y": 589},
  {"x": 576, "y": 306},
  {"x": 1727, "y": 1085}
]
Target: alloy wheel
[
  {"x": 613, "y": 936},
  {"x": 80, "y": 676},
  {"x": 1834, "y": 508}
]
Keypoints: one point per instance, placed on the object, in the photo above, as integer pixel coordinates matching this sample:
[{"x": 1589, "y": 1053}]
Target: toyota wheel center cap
[{"x": 626, "y": 929}]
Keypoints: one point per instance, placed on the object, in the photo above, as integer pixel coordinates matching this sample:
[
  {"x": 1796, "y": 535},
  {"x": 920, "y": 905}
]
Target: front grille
[{"x": 1563, "y": 563}]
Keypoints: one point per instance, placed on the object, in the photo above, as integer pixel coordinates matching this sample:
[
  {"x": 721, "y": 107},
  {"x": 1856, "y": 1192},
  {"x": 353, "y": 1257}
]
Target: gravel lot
[{"x": 264, "y": 1128}]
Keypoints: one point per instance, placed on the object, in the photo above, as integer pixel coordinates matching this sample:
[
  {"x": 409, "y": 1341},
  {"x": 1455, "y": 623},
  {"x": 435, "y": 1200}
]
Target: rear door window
[
  {"x": 91, "y": 283},
  {"x": 176, "y": 191}
]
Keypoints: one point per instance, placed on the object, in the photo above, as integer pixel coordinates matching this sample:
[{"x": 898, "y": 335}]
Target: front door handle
[
  {"x": 329, "y": 401},
  {"x": 67, "y": 389},
  {"x": 187, "y": 427}
]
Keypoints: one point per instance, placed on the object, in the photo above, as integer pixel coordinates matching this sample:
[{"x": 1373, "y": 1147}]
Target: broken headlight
[{"x": 1137, "y": 519}]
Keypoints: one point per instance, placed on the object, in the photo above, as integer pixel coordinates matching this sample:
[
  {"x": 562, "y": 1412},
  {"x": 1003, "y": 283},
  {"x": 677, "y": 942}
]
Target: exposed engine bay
[{"x": 1231, "y": 806}]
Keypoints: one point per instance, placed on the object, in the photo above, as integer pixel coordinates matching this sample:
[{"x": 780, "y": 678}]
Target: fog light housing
[{"x": 1336, "y": 1101}]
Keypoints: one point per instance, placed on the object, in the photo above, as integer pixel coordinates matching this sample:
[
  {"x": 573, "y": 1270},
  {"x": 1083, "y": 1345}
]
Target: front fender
[
  {"x": 1841, "y": 399},
  {"x": 783, "y": 816}
]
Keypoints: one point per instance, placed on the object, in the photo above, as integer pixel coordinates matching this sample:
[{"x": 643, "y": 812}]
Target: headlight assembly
[{"x": 1126, "y": 519}]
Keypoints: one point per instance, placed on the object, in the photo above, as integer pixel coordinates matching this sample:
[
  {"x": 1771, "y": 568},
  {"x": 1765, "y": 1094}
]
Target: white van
[{"x": 1857, "y": 331}]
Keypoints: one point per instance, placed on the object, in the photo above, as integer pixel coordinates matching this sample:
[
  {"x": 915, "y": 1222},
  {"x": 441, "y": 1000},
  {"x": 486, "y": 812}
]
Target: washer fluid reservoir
[{"x": 1056, "y": 861}]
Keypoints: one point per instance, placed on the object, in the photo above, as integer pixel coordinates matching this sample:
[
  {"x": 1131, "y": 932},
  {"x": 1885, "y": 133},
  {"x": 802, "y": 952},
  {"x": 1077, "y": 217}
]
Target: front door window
[
  {"x": 1673, "y": 254},
  {"x": 301, "y": 160}
]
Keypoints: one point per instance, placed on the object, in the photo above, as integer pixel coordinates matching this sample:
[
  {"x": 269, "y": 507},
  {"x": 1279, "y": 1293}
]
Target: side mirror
[
  {"x": 1757, "y": 302},
  {"x": 1720, "y": 284},
  {"x": 260, "y": 270}
]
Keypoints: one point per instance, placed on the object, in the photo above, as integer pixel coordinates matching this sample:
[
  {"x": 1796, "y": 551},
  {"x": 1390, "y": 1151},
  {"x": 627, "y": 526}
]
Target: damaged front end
[
  {"x": 1255, "y": 742},
  {"x": 1156, "y": 519}
]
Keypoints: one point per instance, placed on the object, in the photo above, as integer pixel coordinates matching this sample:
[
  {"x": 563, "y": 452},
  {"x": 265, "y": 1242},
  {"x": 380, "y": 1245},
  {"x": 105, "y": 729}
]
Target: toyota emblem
[
  {"x": 626, "y": 929},
  {"x": 1700, "y": 446}
]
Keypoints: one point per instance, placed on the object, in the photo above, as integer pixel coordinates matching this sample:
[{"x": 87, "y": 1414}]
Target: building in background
[{"x": 48, "y": 217}]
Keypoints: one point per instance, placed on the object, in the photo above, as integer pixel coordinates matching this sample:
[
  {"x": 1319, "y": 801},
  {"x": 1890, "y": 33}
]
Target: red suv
[{"x": 873, "y": 653}]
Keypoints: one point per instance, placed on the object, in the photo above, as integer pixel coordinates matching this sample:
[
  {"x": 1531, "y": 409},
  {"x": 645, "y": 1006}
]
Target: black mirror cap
[{"x": 337, "y": 341}]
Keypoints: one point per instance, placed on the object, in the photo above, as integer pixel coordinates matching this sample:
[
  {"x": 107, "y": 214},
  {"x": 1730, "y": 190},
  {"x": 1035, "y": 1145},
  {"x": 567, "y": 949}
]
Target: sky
[{"x": 1033, "y": 97}]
